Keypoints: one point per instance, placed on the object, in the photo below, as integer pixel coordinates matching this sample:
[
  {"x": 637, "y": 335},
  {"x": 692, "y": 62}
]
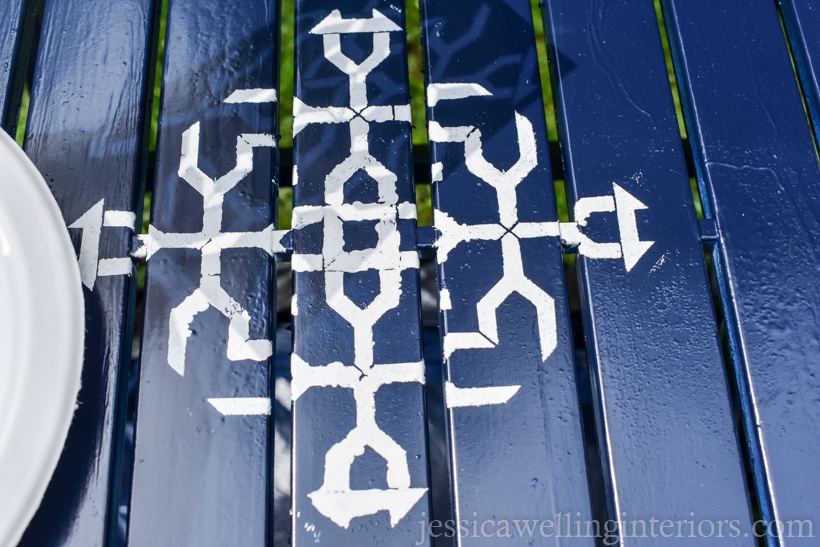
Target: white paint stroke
[
  {"x": 357, "y": 72},
  {"x": 211, "y": 241},
  {"x": 452, "y": 234},
  {"x": 515, "y": 281},
  {"x": 453, "y": 341},
  {"x": 241, "y": 406},
  {"x": 306, "y": 263},
  {"x": 444, "y": 301},
  {"x": 437, "y": 172},
  {"x": 530, "y": 230},
  {"x": 443, "y": 92},
  {"x": 505, "y": 181},
  {"x": 304, "y": 115},
  {"x": 334, "y": 23},
  {"x": 115, "y": 266},
  {"x": 571, "y": 236},
  {"x": 257, "y": 95},
  {"x": 122, "y": 219},
  {"x": 571, "y": 232},
  {"x": 633, "y": 247},
  {"x": 342, "y": 507},
  {"x": 459, "y": 397},
  {"x": 407, "y": 210},
  {"x": 438, "y": 133},
  {"x": 90, "y": 223}
]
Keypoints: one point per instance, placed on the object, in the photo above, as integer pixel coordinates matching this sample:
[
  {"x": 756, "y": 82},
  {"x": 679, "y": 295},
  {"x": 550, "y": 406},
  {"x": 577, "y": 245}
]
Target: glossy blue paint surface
[
  {"x": 760, "y": 177},
  {"x": 662, "y": 399},
  {"x": 201, "y": 477},
  {"x": 802, "y": 20},
  {"x": 326, "y": 413},
  {"x": 11, "y": 31},
  {"x": 524, "y": 458},
  {"x": 89, "y": 153}
]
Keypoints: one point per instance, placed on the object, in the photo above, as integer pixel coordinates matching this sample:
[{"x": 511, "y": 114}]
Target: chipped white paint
[
  {"x": 335, "y": 499},
  {"x": 660, "y": 262}
]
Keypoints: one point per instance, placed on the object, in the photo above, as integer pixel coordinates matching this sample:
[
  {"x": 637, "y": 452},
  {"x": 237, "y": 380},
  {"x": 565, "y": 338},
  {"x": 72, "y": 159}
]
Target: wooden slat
[
  {"x": 12, "y": 59},
  {"x": 360, "y": 461},
  {"x": 84, "y": 133},
  {"x": 802, "y": 20},
  {"x": 517, "y": 450},
  {"x": 662, "y": 398},
  {"x": 203, "y": 438},
  {"x": 761, "y": 182}
]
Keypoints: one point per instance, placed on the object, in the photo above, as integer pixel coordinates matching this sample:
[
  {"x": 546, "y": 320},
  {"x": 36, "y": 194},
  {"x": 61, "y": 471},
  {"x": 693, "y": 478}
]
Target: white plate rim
[{"x": 37, "y": 254}]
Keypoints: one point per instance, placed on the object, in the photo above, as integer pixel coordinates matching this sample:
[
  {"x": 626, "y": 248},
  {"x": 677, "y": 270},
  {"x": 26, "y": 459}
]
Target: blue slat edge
[
  {"x": 516, "y": 442},
  {"x": 85, "y": 132},
  {"x": 203, "y": 459},
  {"x": 360, "y": 474},
  {"x": 802, "y": 20},
  {"x": 760, "y": 175},
  {"x": 662, "y": 395},
  {"x": 14, "y": 52}
]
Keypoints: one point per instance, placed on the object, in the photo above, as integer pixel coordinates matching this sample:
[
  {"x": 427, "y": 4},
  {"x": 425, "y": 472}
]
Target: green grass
[{"x": 21, "y": 123}]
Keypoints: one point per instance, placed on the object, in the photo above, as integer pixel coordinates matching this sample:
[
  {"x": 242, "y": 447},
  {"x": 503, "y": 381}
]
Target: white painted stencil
[
  {"x": 210, "y": 241},
  {"x": 335, "y": 499},
  {"x": 509, "y": 231}
]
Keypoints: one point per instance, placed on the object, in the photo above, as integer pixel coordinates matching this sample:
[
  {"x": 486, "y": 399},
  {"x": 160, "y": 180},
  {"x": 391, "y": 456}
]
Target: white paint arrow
[
  {"x": 624, "y": 204},
  {"x": 633, "y": 248},
  {"x": 91, "y": 223}
]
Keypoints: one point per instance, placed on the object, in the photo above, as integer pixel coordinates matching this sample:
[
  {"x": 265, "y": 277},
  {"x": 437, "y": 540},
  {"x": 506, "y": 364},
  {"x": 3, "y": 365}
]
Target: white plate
[{"x": 41, "y": 338}]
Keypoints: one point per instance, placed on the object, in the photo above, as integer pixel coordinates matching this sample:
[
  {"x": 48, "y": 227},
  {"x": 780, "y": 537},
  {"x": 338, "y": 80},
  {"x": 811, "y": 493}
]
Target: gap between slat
[
  {"x": 727, "y": 331},
  {"x": 583, "y": 378},
  {"x": 797, "y": 60}
]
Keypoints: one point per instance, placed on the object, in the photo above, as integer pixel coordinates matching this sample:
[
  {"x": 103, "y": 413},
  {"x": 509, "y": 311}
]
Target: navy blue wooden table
[{"x": 670, "y": 395}]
